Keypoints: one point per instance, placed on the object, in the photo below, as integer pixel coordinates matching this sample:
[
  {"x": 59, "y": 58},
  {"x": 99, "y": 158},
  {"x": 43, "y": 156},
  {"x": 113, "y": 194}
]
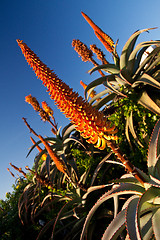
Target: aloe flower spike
[
  {"x": 91, "y": 123},
  {"x": 103, "y": 37}
]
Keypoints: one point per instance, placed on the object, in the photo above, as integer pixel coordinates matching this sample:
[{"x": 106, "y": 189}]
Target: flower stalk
[
  {"x": 106, "y": 40},
  {"x": 58, "y": 162},
  {"x": 85, "y": 53},
  {"x": 100, "y": 55},
  {"x": 90, "y": 122},
  {"x": 44, "y": 156},
  {"x": 45, "y": 112}
]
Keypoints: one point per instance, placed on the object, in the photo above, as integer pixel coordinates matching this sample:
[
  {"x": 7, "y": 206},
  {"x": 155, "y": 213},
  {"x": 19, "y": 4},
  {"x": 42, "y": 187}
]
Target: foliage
[
  {"x": 139, "y": 214},
  {"x": 68, "y": 193},
  {"x": 10, "y": 225}
]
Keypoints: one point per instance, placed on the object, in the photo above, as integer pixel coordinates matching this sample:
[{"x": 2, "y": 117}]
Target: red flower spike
[
  {"x": 58, "y": 162},
  {"x": 103, "y": 37},
  {"x": 91, "y": 123}
]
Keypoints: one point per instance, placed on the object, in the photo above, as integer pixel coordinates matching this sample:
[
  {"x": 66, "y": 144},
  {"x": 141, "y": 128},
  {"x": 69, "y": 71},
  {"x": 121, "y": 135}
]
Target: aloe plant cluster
[{"x": 81, "y": 169}]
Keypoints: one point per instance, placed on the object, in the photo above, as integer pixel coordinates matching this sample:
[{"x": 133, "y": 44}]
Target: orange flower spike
[
  {"x": 38, "y": 147},
  {"x": 107, "y": 46},
  {"x": 69, "y": 102},
  {"x": 47, "y": 109},
  {"x": 106, "y": 38},
  {"x": 33, "y": 101},
  {"x": 44, "y": 156},
  {"x": 58, "y": 162}
]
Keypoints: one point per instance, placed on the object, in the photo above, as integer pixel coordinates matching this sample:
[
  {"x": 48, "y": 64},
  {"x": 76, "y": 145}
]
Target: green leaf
[
  {"x": 132, "y": 57},
  {"x": 155, "y": 223},
  {"x": 146, "y": 226},
  {"x": 152, "y": 151},
  {"x": 104, "y": 101},
  {"x": 67, "y": 131},
  {"x": 47, "y": 163},
  {"x": 74, "y": 139},
  {"x": 114, "y": 87},
  {"x": 128, "y": 47},
  {"x": 130, "y": 218},
  {"x": 148, "y": 197},
  {"x": 131, "y": 128},
  {"x": 140, "y": 67},
  {"x": 99, "y": 95},
  {"x": 94, "y": 83},
  {"x": 147, "y": 80},
  {"x": 148, "y": 103},
  {"x": 116, "y": 227},
  {"x": 99, "y": 167},
  {"x": 122, "y": 189},
  {"x": 109, "y": 68}
]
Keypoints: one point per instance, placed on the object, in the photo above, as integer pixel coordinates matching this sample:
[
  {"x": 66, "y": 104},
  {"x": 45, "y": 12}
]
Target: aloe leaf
[
  {"x": 99, "y": 167},
  {"x": 155, "y": 223},
  {"x": 23, "y": 201},
  {"x": 146, "y": 79},
  {"x": 147, "y": 197},
  {"x": 31, "y": 149},
  {"x": 42, "y": 169},
  {"x": 128, "y": 47},
  {"x": 127, "y": 131},
  {"x": 125, "y": 188},
  {"x": 144, "y": 175},
  {"x": 132, "y": 57},
  {"x": 50, "y": 139},
  {"x": 90, "y": 91},
  {"x": 99, "y": 95},
  {"x": 75, "y": 228},
  {"x": 114, "y": 88},
  {"x": 94, "y": 83},
  {"x": 44, "y": 229},
  {"x": 141, "y": 65},
  {"x": 84, "y": 177},
  {"x": 48, "y": 165},
  {"x": 127, "y": 180},
  {"x": 110, "y": 68},
  {"x": 93, "y": 188},
  {"x": 131, "y": 128},
  {"x": 121, "y": 81},
  {"x": 150, "y": 68},
  {"x": 130, "y": 218},
  {"x": 152, "y": 151},
  {"x": 58, "y": 132},
  {"x": 154, "y": 181},
  {"x": 148, "y": 103},
  {"x": 146, "y": 226},
  {"x": 74, "y": 139},
  {"x": 67, "y": 130},
  {"x": 73, "y": 164},
  {"x": 115, "y": 228},
  {"x": 104, "y": 101}
]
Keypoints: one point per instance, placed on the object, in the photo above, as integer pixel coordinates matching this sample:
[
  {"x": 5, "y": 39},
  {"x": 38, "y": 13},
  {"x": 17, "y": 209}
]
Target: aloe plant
[
  {"x": 131, "y": 75},
  {"x": 62, "y": 180},
  {"x": 138, "y": 217}
]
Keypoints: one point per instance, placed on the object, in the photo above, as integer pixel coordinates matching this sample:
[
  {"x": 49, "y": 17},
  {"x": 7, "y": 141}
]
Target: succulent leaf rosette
[{"x": 140, "y": 214}]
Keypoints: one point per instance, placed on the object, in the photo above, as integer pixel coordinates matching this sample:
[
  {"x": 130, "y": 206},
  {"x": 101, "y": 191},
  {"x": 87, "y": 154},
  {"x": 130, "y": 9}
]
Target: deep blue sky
[{"x": 48, "y": 27}]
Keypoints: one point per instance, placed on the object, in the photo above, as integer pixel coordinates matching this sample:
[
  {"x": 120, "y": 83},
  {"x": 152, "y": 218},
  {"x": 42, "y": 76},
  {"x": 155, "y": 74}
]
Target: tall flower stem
[
  {"x": 31, "y": 130},
  {"x": 128, "y": 165},
  {"x": 90, "y": 122}
]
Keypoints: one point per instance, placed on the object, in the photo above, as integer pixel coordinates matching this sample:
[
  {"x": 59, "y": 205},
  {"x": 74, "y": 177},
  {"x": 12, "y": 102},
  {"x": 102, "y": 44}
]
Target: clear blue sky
[{"x": 48, "y": 27}]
